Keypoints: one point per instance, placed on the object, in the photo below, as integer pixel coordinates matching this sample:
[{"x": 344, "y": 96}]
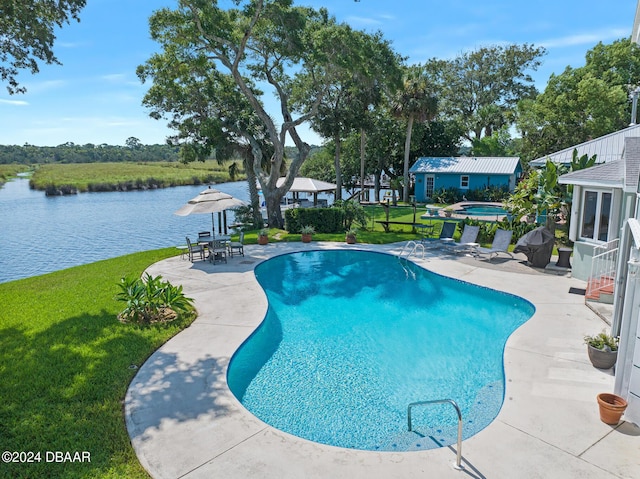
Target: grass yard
[{"x": 65, "y": 365}]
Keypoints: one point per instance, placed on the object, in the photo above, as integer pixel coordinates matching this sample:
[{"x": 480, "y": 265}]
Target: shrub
[
  {"x": 323, "y": 220},
  {"x": 353, "y": 213},
  {"x": 150, "y": 300}
]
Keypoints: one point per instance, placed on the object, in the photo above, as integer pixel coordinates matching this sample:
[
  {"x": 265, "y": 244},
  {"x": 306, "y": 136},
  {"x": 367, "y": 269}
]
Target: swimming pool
[
  {"x": 351, "y": 338},
  {"x": 483, "y": 211}
]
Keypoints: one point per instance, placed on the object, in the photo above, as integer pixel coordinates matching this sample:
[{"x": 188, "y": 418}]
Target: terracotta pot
[
  {"x": 602, "y": 359},
  {"x": 611, "y": 408},
  {"x": 350, "y": 239},
  {"x": 306, "y": 238},
  {"x": 263, "y": 239}
]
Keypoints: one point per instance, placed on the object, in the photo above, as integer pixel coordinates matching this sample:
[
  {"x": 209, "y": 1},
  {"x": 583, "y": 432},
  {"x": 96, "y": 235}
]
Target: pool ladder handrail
[
  {"x": 458, "y": 465},
  {"x": 412, "y": 251}
]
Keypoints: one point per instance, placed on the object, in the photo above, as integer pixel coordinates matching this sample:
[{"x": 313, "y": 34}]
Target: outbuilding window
[
  {"x": 464, "y": 182},
  {"x": 596, "y": 214}
]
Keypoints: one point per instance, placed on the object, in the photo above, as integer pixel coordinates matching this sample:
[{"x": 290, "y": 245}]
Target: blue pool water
[
  {"x": 352, "y": 337},
  {"x": 484, "y": 211}
]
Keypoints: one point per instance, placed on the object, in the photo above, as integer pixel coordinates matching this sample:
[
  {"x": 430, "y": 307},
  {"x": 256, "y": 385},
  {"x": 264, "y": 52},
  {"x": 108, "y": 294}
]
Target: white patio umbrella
[{"x": 210, "y": 201}]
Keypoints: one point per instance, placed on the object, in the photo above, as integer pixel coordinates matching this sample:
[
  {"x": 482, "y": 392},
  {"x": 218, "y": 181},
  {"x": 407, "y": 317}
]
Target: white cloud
[
  {"x": 14, "y": 102},
  {"x": 363, "y": 21},
  {"x": 585, "y": 38}
]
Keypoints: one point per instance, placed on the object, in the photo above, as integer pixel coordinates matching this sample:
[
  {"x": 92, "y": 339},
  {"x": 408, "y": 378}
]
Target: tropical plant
[
  {"x": 263, "y": 232},
  {"x": 307, "y": 230},
  {"x": 602, "y": 341},
  {"x": 416, "y": 101},
  {"x": 150, "y": 300}
]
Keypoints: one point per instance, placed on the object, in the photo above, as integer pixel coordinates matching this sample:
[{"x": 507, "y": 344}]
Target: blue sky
[{"x": 95, "y": 96}]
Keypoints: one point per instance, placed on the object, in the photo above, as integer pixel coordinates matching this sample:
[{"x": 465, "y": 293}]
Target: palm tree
[{"x": 415, "y": 101}]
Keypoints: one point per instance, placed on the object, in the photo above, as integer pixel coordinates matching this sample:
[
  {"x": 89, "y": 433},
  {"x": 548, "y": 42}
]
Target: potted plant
[
  {"x": 307, "y": 232},
  {"x": 448, "y": 212},
  {"x": 263, "y": 236},
  {"x": 350, "y": 236},
  {"x": 611, "y": 408},
  {"x": 602, "y": 349}
]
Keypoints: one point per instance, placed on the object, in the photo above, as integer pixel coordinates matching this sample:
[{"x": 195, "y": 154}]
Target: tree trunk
[
  {"x": 364, "y": 194},
  {"x": 336, "y": 162},
  {"x": 258, "y": 221},
  {"x": 274, "y": 213},
  {"x": 407, "y": 151}
]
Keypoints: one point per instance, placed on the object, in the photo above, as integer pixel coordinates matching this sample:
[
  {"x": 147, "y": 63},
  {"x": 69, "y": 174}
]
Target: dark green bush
[{"x": 323, "y": 220}]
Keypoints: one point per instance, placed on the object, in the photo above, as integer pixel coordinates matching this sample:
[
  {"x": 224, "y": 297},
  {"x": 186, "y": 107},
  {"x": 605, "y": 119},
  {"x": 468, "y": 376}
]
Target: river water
[{"x": 40, "y": 234}]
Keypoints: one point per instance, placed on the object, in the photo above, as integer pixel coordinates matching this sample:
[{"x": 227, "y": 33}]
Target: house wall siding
[{"x": 476, "y": 181}]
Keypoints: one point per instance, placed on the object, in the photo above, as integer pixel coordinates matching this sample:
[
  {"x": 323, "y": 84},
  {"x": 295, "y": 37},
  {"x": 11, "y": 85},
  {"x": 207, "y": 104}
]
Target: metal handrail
[
  {"x": 458, "y": 464},
  {"x": 413, "y": 250},
  {"x": 603, "y": 267}
]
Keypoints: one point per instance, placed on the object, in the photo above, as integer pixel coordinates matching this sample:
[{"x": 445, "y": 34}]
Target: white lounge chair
[
  {"x": 467, "y": 241},
  {"x": 500, "y": 244}
]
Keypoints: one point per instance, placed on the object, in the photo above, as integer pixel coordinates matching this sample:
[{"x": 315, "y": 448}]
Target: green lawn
[{"x": 65, "y": 367}]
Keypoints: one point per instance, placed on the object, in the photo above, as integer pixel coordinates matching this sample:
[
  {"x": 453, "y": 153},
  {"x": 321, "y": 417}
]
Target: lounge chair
[
  {"x": 467, "y": 243},
  {"x": 446, "y": 234},
  {"x": 194, "y": 249},
  {"x": 500, "y": 244},
  {"x": 237, "y": 245},
  {"x": 218, "y": 251}
]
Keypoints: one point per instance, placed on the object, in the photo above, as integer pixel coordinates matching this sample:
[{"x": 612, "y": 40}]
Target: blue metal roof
[{"x": 487, "y": 165}]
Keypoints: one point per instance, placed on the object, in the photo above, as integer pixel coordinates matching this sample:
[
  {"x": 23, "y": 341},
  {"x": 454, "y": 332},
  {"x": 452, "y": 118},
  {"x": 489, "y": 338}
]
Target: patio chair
[
  {"x": 467, "y": 243},
  {"x": 446, "y": 234},
  {"x": 500, "y": 244},
  {"x": 237, "y": 245},
  {"x": 194, "y": 249},
  {"x": 218, "y": 251}
]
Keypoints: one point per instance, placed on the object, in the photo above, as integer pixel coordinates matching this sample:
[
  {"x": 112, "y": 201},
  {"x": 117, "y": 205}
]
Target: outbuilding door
[{"x": 429, "y": 181}]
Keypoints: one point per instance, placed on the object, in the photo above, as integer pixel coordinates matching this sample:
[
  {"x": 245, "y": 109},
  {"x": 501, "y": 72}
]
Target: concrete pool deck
[{"x": 185, "y": 423}]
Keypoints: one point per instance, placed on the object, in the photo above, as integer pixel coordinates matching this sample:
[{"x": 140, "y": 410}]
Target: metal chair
[
  {"x": 237, "y": 245},
  {"x": 194, "y": 249},
  {"x": 218, "y": 251}
]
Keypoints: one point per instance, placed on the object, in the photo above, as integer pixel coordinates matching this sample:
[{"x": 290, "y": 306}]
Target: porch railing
[{"x": 603, "y": 270}]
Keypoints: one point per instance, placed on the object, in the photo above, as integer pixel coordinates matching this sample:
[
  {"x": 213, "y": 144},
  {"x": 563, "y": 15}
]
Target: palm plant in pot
[
  {"x": 602, "y": 349},
  {"x": 350, "y": 236},
  {"x": 307, "y": 233}
]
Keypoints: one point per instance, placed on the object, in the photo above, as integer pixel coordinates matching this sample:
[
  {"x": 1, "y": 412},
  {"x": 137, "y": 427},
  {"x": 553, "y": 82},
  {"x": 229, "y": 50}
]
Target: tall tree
[
  {"x": 345, "y": 106},
  {"x": 480, "y": 89},
  {"x": 267, "y": 48},
  {"x": 582, "y": 103},
  {"x": 28, "y": 35},
  {"x": 415, "y": 101}
]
